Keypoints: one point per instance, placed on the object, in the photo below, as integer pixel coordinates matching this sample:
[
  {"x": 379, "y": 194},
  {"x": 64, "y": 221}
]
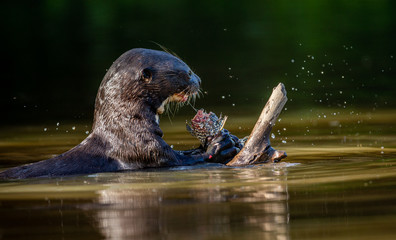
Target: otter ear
[{"x": 146, "y": 75}]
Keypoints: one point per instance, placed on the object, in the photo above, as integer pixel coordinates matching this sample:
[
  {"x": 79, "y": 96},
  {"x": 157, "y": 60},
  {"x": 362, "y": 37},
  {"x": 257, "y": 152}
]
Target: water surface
[{"x": 338, "y": 182}]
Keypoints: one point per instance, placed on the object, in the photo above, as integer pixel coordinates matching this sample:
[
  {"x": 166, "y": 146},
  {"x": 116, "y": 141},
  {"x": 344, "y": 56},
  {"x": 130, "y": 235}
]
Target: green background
[{"x": 329, "y": 54}]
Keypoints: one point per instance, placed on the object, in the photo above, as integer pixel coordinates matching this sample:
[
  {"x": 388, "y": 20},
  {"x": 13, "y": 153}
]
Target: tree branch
[{"x": 257, "y": 148}]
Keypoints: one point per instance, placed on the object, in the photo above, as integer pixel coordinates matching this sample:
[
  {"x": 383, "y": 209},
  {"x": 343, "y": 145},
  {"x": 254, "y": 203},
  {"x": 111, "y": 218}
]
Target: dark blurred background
[{"x": 330, "y": 54}]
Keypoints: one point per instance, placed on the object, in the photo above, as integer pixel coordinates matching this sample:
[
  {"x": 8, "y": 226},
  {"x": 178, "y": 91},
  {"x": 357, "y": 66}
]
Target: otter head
[{"x": 142, "y": 79}]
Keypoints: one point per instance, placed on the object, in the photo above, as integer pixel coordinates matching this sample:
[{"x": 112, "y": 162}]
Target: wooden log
[{"x": 257, "y": 148}]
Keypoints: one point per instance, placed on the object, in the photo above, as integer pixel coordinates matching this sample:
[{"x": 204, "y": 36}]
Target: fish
[{"x": 205, "y": 125}]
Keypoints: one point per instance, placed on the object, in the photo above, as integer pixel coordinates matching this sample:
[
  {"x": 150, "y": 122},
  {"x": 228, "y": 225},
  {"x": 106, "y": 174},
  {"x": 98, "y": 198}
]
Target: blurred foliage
[{"x": 329, "y": 53}]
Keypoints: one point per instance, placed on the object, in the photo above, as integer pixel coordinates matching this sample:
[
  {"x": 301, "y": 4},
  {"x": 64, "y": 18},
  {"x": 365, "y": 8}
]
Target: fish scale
[{"x": 205, "y": 125}]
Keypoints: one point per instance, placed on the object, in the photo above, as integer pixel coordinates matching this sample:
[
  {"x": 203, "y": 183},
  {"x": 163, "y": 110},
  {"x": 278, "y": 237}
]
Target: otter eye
[{"x": 146, "y": 75}]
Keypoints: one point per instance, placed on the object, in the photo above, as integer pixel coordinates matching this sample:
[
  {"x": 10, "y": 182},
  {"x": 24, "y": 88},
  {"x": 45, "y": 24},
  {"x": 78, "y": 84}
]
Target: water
[{"x": 338, "y": 182}]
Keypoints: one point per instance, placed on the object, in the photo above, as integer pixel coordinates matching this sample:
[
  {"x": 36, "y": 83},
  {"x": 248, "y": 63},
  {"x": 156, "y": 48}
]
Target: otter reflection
[{"x": 248, "y": 203}]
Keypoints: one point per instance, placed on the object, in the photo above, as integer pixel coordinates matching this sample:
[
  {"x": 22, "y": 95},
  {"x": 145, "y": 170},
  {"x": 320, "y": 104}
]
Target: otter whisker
[
  {"x": 170, "y": 120},
  {"x": 189, "y": 94},
  {"x": 199, "y": 93},
  {"x": 193, "y": 107},
  {"x": 171, "y": 108},
  {"x": 167, "y": 50}
]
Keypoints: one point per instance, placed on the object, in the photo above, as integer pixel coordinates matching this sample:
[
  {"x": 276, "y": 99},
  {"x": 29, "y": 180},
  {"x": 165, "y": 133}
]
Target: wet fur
[{"x": 126, "y": 133}]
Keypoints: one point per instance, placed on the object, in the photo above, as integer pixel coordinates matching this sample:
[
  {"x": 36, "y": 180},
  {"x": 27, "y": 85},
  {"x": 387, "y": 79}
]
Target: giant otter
[{"x": 125, "y": 132}]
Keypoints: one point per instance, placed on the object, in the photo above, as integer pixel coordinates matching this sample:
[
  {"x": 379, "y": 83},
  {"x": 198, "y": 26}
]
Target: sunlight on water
[{"x": 337, "y": 182}]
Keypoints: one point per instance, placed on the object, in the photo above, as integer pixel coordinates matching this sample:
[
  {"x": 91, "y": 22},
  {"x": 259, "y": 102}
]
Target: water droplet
[
  {"x": 284, "y": 141},
  {"x": 45, "y": 129},
  {"x": 223, "y": 97},
  {"x": 73, "y": 128},
  {"x": 87, "y": 132},
  {"x": 292, "y": 60},
  {"x": 272, "y": 135},
  {"x": 57, "y": 124}
]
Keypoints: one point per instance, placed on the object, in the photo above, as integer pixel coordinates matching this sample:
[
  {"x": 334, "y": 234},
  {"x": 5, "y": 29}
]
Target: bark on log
[{"x": 257, "y": 148}]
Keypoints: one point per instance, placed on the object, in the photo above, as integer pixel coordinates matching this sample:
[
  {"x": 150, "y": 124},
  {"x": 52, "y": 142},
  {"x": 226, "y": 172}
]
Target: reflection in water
[
  {"x": 325, "y": 199},
  {"x": 335, "y": 192},
  {"x": 248, "y": 202}
]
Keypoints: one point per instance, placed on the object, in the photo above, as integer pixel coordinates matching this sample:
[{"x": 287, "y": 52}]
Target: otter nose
[{"x": 195, "y": 79}]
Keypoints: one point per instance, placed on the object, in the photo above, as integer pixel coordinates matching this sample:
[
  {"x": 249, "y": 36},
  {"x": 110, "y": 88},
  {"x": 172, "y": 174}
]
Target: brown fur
[{"x": 125, "y": 133}]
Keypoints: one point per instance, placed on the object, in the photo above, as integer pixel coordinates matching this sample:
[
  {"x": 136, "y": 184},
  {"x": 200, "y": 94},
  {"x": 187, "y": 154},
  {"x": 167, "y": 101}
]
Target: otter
[{"x": 125, "y": 133}]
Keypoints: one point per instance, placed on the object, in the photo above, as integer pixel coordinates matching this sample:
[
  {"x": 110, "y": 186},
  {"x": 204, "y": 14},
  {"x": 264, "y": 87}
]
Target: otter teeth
[
  {"x": 161, "y": 108},
  {"x": 179, "y": 97}
]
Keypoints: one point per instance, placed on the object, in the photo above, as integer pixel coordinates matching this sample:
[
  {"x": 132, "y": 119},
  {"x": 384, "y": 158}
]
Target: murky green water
[{"x": 339, "y": 182}]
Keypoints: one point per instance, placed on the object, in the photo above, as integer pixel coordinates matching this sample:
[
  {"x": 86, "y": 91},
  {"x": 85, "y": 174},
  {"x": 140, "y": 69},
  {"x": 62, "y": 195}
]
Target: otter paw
[{"x": 221, "y": 148}]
